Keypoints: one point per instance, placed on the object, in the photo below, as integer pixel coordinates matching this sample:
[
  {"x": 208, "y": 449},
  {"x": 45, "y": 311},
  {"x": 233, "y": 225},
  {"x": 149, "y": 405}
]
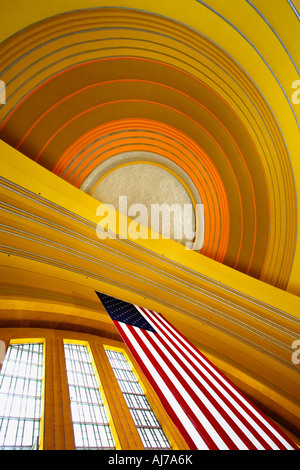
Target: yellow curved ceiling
[
  {"x": 205, "y": 84},
  {"x": 94, "y": 82}
]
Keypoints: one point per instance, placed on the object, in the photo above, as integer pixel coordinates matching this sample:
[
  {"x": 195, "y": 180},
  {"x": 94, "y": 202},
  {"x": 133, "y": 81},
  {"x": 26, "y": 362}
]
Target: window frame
[
  {"x": 101, "y": 390},
  {"x": 37, "y": 340}
]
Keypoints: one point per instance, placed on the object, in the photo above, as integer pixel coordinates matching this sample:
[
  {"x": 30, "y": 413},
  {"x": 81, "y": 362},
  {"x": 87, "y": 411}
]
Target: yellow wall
[{"x": 50, "y": 272}]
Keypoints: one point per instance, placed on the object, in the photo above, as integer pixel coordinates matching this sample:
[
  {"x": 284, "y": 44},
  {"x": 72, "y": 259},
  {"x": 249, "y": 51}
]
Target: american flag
[{"x": 208, "y": 410}]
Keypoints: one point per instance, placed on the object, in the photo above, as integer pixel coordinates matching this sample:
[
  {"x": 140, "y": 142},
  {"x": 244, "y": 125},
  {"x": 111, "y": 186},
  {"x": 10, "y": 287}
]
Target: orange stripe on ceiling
[
  {"x": 177, "y": 91},
  {"x": 170, "y": 142},
  {"x": 212, "y": 248}
]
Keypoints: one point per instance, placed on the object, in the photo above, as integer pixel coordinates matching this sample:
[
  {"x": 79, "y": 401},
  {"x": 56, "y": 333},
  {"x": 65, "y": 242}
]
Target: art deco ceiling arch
[{"x": 86, "y": 85}]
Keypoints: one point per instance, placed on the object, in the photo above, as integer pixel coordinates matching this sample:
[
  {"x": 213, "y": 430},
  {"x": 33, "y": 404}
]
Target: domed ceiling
[{"x": 186, "y": 85}]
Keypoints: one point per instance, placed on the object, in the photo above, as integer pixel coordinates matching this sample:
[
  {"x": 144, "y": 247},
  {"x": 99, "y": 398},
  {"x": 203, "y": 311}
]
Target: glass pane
[
  {"x": 21, "y": 396},
  {"x": 90, "y": 421},
  {"x": 144, "y": 418}
]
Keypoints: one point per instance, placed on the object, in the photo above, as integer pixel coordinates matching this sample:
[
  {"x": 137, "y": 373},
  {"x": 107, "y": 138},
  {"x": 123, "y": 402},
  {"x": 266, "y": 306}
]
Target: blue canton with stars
[{"x": 124, "y": 312}]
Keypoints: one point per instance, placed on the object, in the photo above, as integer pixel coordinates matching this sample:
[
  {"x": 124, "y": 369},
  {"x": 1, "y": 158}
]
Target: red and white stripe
[{"x": 209, "y": 411}]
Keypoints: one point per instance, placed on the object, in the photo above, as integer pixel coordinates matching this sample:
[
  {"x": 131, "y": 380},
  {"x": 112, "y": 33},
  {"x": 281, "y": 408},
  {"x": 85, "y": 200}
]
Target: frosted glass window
[
  {"x": 21, "y": 379},
  {"x": 90, "y": 421},
  {"x": 149, "y": 429}
]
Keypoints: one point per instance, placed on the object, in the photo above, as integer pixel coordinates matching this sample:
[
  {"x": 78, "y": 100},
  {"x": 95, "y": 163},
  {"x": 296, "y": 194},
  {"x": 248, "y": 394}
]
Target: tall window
[
  {"x": 21, "y": 385},
  {"x": 150, "y": 431},
  {"x": 90, "y": 420}
]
